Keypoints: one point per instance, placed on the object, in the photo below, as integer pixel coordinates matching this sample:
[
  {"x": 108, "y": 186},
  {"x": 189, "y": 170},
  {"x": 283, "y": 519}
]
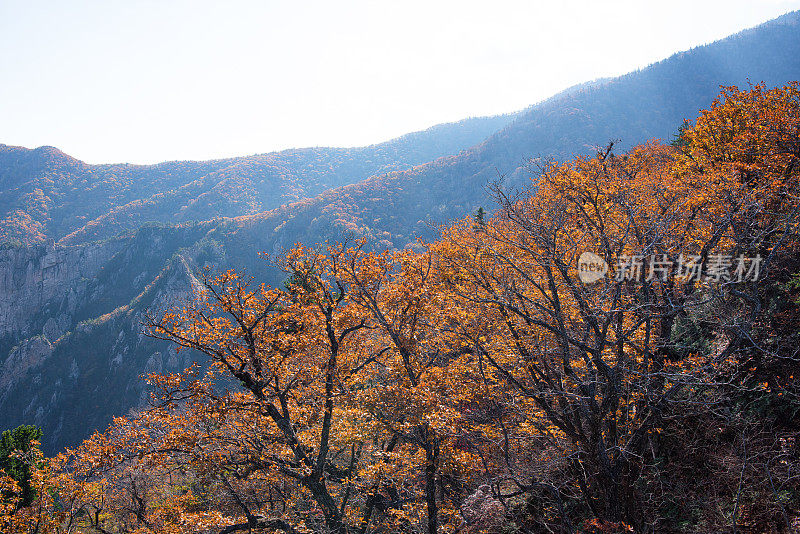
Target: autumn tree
[
  {"x": 612, "y": 351},
  {"x": 296, "y": 354}
]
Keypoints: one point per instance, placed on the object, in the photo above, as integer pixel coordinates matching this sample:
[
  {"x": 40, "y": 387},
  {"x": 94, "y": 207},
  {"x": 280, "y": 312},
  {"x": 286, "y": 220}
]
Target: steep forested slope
[{"x": 83, "y": 344}]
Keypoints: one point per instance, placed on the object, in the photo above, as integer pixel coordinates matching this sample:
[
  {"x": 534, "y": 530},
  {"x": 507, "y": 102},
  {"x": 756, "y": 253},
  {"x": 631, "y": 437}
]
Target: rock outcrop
[{"x": 41, "y": 286}]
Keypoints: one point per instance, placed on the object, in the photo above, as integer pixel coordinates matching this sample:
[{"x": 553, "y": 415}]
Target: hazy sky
[{"x": 127, "y": 81}]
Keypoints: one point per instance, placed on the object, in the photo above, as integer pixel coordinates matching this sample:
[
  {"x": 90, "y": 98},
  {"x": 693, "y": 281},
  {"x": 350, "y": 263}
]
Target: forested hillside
[
  {"x": 613, "y": 351},
  {"x": 45, "y": 194},
  {"x": 71, "y": 313},
  {"x": 651, "y": 103}
]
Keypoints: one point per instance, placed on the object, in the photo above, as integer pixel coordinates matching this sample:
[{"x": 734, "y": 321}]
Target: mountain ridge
[
  {"x": 40, "y": 200},
  {"x": 85, "y": 343}
]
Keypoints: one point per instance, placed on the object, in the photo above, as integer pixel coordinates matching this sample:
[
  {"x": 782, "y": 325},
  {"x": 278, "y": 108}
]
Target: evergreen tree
[
  {"x": 19, "y": 440},
  {"x": 678, "y": 140},
  {"x": 480, "y": 219}
]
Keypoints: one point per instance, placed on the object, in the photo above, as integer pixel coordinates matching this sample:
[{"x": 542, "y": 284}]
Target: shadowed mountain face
[{"x": 71, "y": 347}]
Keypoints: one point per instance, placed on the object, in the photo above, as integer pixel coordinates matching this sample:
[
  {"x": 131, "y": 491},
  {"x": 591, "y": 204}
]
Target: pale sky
[{"x": 142, "y": 82}]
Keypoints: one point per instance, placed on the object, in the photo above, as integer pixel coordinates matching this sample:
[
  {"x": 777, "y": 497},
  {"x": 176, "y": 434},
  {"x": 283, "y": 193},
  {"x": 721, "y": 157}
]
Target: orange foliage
[{"x": 376, "y": 391}]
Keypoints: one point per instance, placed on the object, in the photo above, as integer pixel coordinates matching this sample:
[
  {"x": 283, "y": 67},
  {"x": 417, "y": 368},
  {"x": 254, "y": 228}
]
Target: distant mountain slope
[
  {"x": 395, "y": 208},
  {"x": 78, "y": 339},
  {"x": 46, "y": 194}
]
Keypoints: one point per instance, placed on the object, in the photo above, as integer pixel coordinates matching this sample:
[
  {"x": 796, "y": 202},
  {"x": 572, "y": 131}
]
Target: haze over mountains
[{"x": 89, "y": 248}]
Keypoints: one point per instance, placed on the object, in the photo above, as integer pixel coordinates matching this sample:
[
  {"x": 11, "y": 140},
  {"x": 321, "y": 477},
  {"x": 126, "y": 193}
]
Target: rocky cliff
[
  {"x": 41, "y": 286},
  {"x": 69, "y": 373}
]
